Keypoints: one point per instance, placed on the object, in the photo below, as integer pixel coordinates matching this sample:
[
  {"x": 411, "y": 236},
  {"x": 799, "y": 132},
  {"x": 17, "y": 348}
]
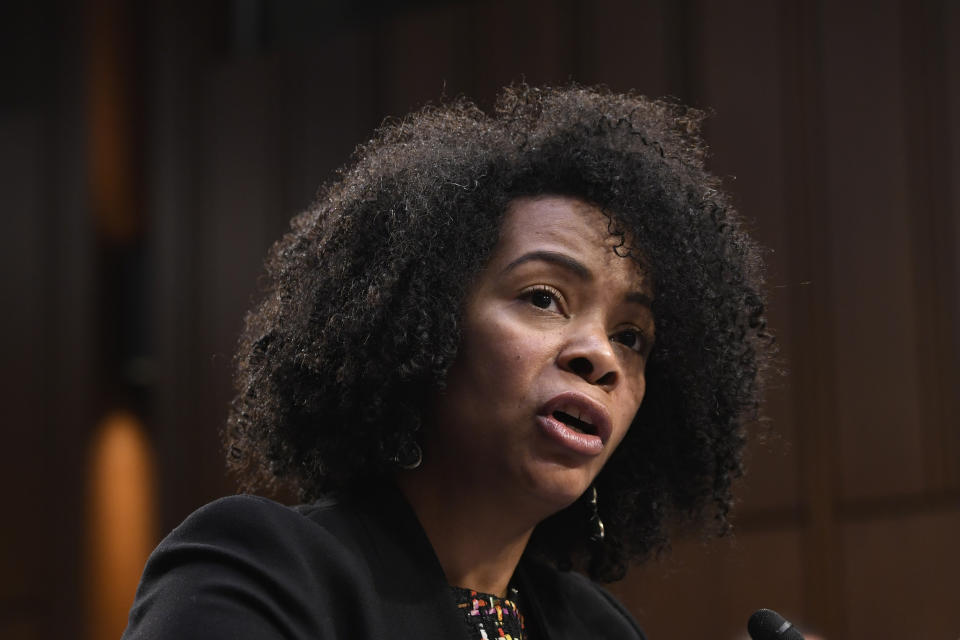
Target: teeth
[
  {"x": 576, "y": 412},
  {"x": 571, "y": 416}
]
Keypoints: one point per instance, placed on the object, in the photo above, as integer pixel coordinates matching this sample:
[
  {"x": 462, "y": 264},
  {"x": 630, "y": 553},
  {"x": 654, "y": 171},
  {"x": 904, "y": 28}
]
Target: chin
[{"x": 557, "y": 486}]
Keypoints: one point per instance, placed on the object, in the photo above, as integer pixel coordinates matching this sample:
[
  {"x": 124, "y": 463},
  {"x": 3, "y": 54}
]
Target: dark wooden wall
[{"x": 839, "y": 120}]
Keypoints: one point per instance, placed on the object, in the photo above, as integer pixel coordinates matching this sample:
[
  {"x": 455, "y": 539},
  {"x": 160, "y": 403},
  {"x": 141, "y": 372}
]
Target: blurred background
[{"x": 151, "y": 151}]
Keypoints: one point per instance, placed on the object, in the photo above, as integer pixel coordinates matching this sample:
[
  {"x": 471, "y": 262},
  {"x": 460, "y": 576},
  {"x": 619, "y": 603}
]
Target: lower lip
[{"x": 583, "y": 443}]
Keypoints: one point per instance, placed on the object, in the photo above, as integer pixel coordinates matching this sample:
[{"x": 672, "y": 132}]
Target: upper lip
[{"x": 589, "y": 410}]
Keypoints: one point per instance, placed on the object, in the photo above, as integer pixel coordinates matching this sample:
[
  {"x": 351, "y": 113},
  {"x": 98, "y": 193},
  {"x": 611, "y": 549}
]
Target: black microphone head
[{"x": 770, "y": 625}]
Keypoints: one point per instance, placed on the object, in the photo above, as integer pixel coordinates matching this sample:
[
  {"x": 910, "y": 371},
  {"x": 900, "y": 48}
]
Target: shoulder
[
  {"x": 244, "y": 520},
  {"x": 247, "y": 567},
  {"x": 568, "y": 600},
  {"x": 581, "y": 587},
  {"x": 289, "y": 543},
  {"x": 237, "y": 514}
]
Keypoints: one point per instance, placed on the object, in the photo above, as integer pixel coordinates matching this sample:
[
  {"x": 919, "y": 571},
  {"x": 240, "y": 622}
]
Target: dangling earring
[
  {"x": 596, "y": 524},
  {"x": 409, "y": 456}
]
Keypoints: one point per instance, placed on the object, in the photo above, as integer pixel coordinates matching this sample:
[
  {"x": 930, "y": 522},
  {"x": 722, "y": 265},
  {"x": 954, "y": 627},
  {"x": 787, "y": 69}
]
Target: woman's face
[{"x": 556, "y": 333}]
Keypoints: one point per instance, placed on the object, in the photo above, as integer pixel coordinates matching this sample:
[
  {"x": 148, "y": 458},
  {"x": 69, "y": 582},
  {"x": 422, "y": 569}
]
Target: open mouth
[{"x": 575, "y": 423}]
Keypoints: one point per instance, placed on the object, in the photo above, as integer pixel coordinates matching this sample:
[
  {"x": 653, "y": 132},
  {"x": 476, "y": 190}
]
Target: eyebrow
[
  {"x": 560, "y": 259},
  {"x": 577, "y": 268},
  {"x": 640, "y": 298}
]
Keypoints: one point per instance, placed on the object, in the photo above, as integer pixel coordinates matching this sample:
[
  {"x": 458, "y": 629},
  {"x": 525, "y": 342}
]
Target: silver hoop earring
[
  {"x": 409, "y": 456},
  {"x": 597, "y": 532}
]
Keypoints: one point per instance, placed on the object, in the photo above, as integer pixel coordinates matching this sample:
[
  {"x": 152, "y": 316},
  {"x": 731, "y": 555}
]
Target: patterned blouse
[{"x": 489, "y": 617}]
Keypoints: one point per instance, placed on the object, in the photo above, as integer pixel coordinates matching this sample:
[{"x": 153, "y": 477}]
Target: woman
[{"x": 497, "y": 348}]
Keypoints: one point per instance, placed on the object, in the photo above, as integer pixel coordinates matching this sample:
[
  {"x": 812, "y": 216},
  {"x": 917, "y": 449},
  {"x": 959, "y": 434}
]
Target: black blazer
[{"x": 248, "y": 567}]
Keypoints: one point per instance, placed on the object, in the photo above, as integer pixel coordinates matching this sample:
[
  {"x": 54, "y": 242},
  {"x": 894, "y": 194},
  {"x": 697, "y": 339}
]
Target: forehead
[
  {"x": 568, "y": 225},
  {"x": 553, "y": 217}
]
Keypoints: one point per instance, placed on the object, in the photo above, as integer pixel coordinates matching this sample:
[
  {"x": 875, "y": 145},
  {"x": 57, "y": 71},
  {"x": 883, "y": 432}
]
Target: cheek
[
  {"x": 504, "y": 354},
  {"x": 628, "y": 405}
]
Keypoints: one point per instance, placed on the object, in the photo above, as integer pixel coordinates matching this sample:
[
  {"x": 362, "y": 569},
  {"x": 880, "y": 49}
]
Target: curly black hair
[{"x": 360, "y": 319}]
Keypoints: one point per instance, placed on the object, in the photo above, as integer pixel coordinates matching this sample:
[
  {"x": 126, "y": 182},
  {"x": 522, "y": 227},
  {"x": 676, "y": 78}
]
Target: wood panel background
[{"x": 837, "y": 125}]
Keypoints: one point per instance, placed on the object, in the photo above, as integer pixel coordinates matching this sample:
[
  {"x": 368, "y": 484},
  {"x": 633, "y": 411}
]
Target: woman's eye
[
  {"x": 630, "y": 338},
  {"x": 541, "y": 299},
  {"x": 544, "y": 297}
]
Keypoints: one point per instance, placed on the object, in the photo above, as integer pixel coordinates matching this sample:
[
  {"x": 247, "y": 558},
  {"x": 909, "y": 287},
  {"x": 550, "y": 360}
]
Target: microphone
[{"x": 770, "y": 625}]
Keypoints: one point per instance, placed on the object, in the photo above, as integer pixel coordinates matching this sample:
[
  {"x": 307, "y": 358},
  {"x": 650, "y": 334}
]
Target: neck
[{"x": 478, "y": 542}]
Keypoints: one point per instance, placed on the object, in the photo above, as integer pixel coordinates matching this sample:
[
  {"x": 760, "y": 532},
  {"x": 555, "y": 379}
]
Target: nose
[{"x": 589, "y": 354}]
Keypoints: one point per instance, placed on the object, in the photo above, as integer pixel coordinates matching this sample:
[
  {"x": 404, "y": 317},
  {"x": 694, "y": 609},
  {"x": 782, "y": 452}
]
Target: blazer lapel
[{"x": 409, "y": 578}]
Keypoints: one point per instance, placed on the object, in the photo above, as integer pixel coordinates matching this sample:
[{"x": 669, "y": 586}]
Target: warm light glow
[
  {"x": 121, "y": 524},
  {"x": 110, "y": 130}
]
